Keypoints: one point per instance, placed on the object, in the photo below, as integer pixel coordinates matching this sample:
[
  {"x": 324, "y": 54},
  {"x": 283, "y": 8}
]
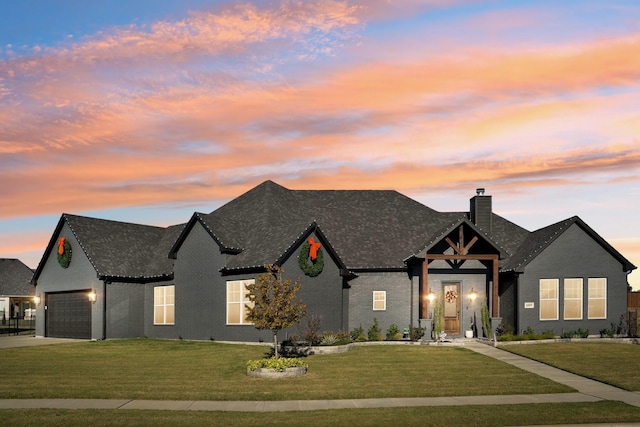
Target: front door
[{"x": 452, "y": 308}]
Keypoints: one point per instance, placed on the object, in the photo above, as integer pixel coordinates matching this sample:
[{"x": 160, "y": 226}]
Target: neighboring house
[
  {"x": 16, "y": 295},
  {"x": 382, "y": 255}
]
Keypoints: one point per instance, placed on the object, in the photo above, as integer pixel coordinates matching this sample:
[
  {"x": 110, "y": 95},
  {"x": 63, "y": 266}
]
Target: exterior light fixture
[
  {"x": 473, "y": 295},
  {"x": 36, "y": 300},
  {"x": 92, "y": 296},
  {"x": 431, "y": 296}
]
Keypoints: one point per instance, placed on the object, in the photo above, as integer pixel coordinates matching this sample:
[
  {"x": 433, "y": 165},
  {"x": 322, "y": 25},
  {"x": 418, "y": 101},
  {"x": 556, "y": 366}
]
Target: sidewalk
[{"x": 587, "y": 391}]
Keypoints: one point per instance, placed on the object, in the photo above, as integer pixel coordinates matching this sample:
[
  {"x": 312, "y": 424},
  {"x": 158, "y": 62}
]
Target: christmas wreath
[
  {"x": 310, "y": 258},
  {"x": 64, "y": 252},
  {"x": 451, "y": 296}
]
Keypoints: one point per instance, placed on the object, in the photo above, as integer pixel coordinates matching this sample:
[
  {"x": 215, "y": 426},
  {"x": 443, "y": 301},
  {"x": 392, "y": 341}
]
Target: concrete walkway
[{"x": 587, "y": 391}]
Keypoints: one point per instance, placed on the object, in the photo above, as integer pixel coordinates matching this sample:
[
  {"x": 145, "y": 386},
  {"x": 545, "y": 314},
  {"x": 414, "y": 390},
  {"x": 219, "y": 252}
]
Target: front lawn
[
  {"x": 184, "y": 370},
  {"x": 611, "y": 363}
]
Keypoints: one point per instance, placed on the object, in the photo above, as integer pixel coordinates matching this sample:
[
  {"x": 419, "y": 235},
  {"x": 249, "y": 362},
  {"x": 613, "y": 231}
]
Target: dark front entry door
[
  {"x": 68, "y": 315},
  {"x": 451, "y": 297}
]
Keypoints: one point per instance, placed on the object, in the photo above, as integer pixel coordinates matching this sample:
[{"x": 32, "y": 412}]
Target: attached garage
[{"x": 68, "y": 315}]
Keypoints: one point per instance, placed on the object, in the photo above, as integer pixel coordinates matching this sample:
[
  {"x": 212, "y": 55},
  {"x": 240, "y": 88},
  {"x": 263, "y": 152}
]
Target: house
[
  {"x": 16, "y": 296},
  {"x": 381, "y": 255}
]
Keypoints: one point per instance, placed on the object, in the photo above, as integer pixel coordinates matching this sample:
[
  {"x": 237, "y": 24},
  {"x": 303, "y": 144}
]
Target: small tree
[{"x": 273, "y": 302}]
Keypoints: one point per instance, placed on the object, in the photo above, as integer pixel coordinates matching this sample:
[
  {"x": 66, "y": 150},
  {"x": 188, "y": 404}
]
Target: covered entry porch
[{"x": 459, "y": 274}]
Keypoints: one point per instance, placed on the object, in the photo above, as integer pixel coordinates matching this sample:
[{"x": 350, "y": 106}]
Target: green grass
[
  {"x": 183, "y": 370},
  {"x": 505, "y": 415},
  {"x": 611, "y": 363}
]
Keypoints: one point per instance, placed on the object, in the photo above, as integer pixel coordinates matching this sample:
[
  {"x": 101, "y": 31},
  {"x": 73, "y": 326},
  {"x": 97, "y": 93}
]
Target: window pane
[
  {"x": 597, "y": 294},
  {"x": 548, "y": 310},
  {"x": 158, "y": 315},
  {"x": 597, "y": 309},
  {"x": 573, "y": 309},
  {"x": 169, "y": 314},
  {"x": 233, "y": 313}
]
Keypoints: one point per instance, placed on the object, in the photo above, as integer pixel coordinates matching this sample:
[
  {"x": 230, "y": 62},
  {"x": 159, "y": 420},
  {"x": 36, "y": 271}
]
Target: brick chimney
[{"x": 480, "y": 211}]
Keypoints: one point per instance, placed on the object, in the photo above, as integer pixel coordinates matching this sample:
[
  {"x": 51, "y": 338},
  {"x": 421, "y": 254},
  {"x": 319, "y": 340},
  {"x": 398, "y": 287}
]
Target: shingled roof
[
  {"x": 121, "y": 250},
  {"x": 15, "y": 277},
  {"x": 537, "y": 241},
  {"x": 362, "y": 230}
]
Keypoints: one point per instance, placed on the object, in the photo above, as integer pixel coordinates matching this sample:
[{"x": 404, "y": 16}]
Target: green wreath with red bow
[
  {"x": 64, "y": 252},
  {"x": 311, "y": 258}
]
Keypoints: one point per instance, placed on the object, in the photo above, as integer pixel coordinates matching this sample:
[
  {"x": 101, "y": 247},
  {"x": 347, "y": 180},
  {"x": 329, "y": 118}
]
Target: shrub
[
  {"x": 486, "y": 320},
  {"x": 506, "y": 329},
  {"x": 311, "y": 332},
  {"x": 279, "y": 364},
  {"x": 357, "y": 334},
  {"x": 607, "y": 333},
  {"x": 343, "y": 337},
  {"x": 329, "y": 339},
  {"x": 374, "y": 333},
  {"x": 416, "y": 333},
  {"x": 580, "y": 333},
  {"x": 393, "y": 333}
]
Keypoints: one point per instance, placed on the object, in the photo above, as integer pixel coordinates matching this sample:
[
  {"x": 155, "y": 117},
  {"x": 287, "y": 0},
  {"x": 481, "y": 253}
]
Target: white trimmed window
[
  {"x": 597, "y": 294},
  {"x": 379, "y": 300},
  {"x": 549, "y": 299},
  {"x": 164, "y": 305},
  {"x": 573, "y": 299},
  {"x": 237, "y": 299}
]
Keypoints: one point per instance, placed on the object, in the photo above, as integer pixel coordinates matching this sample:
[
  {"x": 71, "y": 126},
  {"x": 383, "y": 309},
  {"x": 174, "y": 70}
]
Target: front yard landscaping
[{"x": 183, "y": 370}]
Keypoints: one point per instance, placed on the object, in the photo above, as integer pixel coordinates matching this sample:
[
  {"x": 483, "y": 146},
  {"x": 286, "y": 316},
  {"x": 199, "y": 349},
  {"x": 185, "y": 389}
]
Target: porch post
[
  {"x": 424, "y": 302},
  {"x": 494, "y": 297}
]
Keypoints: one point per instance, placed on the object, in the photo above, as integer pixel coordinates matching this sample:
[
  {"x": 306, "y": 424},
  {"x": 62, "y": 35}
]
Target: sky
[{"x": 149, "y": 110}]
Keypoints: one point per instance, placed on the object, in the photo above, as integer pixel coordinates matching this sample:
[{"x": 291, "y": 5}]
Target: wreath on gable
[
  {"x": 311, "y": 258},
  {"x": 64, "y": 252}
]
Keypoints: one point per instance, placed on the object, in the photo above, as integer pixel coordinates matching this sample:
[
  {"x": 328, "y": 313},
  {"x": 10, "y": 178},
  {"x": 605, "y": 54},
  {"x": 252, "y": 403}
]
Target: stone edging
[{"x": 272, "y": 373}]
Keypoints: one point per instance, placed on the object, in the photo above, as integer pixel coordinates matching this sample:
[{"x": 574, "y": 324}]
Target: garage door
[{"x": 68, "y": 315}]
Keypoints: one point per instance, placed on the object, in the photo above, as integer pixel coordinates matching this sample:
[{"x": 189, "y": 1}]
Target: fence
[
  {"x": 18, "y": 326},
  {"x": 633, "y": 299}
]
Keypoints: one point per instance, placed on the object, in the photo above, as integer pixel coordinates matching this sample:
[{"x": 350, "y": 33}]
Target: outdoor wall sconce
[
  {"x": 36, "y": 300},
  {"x": 92, "y": 296},
  {"x": 431, "y": 296},
  {"x": 473, "y": 295}
]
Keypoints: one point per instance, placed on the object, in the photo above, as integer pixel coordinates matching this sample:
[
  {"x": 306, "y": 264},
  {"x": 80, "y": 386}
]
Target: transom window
[
  {"x": 379, "y": 300},
  {"x": 597, "y": 294},
  {"x": 549, "y": 299},
  {"x": 237, "y": 300},
  {"x": 573, "y": 299},
  {"x": 164, "y": 305}
]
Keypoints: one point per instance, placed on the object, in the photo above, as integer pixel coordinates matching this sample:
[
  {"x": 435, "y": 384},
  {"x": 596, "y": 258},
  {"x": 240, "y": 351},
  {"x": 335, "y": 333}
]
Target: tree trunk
[{"x": 275, "y": 344}]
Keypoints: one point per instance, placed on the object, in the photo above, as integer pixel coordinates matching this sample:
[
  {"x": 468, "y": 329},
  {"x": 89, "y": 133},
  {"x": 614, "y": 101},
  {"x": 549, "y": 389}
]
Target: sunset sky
[{"x": 148, "y": 110}]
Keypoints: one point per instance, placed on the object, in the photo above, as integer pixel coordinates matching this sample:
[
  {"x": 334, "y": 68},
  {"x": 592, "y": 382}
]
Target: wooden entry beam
[{"x": 424, "y": 304}]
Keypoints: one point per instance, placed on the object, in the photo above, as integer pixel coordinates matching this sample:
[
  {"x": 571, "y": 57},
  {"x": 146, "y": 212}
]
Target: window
[
  {"x": 379, "y": 300},
  {"x": 237, "y": 298},
  {"x": 549, "y": 299},
  {"x": 572, "y": 299},
  {"x": 597, "y": 294},
  {"x": 163, "y": 305}
]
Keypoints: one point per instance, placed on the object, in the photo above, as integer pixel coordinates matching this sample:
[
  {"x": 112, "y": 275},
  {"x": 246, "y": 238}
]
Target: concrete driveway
[{"x": 11, "y": 341}]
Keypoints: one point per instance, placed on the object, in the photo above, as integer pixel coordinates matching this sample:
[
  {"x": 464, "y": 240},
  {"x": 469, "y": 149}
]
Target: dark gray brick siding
[
  {"x": 200, "y": 293},
  {"x": 398, "y": 310},
  {"x": 573, "y": 255},
  {"x": 79, "y": 276},
  {"x": 125, "y": 310}
]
